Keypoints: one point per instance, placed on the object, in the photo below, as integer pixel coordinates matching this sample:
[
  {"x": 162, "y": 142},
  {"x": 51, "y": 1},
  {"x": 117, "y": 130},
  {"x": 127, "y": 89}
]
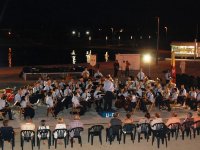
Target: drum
[
  {"x": 8, "y": 90},
  {"x": 10, "y": 97}
]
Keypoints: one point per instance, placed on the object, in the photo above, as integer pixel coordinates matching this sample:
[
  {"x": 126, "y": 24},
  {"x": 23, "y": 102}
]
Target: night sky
[{"x": 180, "y": 17}]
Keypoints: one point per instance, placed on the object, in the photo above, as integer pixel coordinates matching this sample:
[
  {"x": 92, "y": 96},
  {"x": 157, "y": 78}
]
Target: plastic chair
[
  {"x": 196, "y": 128},
  {"x": 95, "y": 130},
  {"x": 75, "y": 133},
  {"x": 26, "y": 136},
  {"x": 44, "y": 134},
  {"x": 160, "y": 133},
  {"x": 60, "y": 134},
  {"x": 144, "y": 128},
  {"x": 174, "y": 129},
  {"x": 112, "y": 132},
  {"x": 129, "y": 129},
  {"x": 187, "y": 127},
  {"x": 9, "y": 136}
]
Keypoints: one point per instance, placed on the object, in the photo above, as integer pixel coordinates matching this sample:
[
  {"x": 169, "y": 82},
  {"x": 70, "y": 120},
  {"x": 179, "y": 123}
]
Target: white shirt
[
  {"x": 140, "y": 75},
  {"x": 49, "y": 101},
  {"x": 108, "y": 86},
  {"x": 86, "y": 96},
  {"x": 97, "y": 95},
  {"x": 133, "y": 99},
  {"x": 67, "y": 92},
  {"x": 154, "y": 121},
  {"x": 17, "y": 98},
  {"x": 150, "y": 97},
  {"x": 2, "y": 104},
  {"x": 61, "y": 126},
  {"x": 98, "y": 74},
  {"x": 75, "y": 101},
  {"x": 23, "y": 104},
  {"x": 182, "y": 92}
]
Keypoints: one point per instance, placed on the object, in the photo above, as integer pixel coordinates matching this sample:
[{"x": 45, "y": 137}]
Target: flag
[
  {"x": 173, "y": 67},
  {"x": 93, "y": 60}
]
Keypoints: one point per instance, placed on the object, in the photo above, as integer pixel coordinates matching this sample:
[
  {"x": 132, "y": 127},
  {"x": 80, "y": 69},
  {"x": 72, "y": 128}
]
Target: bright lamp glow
[
  {"x": 147, "y": 58},
  {"x": 73, "y": 32},
  {"x": 87, "y": 32}
]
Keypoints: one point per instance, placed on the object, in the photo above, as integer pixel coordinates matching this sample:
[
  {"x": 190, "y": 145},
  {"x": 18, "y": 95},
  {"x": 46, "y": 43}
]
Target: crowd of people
[{"x": 81, "y": 93}]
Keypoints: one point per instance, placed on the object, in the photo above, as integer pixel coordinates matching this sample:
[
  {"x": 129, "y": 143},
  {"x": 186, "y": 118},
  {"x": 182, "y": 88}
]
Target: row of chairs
[{"x": 160, "y": 132}]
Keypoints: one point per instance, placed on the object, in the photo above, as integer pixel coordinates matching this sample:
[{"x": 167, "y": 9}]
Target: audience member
[
  {"x": 173, "y": 119},
  {"x": 128, "y": 119}
]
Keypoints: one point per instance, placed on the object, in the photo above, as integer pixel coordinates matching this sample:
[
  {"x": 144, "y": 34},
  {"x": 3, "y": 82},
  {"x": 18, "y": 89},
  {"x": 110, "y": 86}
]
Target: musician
[
  {"x": 50, "y": 103},
  {"x": 133, "y": 99},
  {"x": 148, "y": 99},
  {"x": 109, "y": 96},
  {"x": 62, "y": 84},
  {"x": 141, "y": 75},
  {"x": 17, "y": 98},
  {"x": 89, "y": 83},
  {"x": 4, "y": 107},
  {"x": 134, "y": 83},
  {"x": 29, "y": 111},
  {"x": 191, "y": 99},
  {"x": 182, "y": 95},
  {"x": 128, "y": 82},
  {"x": 76, "y": 103},
  {"x": 59, "y": 93},
  {"x": 166, "y": 97},
  {"x": 158, "y": 95},
  {"x": 47, "y": 86},
  {"x": 139, "y": 92},
  {"x": 81, "y": 83},
  {"x": 68, "y": 97},
  {"x": 98, "y": 97},
  {"x": 98, "y": 74},
  {"x": 85, "y": 74},
  {"x": 86, "y": 98},
  {"x": 173, "y": 95}
]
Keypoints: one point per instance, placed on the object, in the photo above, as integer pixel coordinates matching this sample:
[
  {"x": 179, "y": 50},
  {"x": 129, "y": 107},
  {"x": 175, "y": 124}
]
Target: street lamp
[
  {"x": 87, "y": 32},
  {"x": 147, "y": 59},
  {"x": 166, "y": 32},
  {"x": 158, "y": 34},
  {"x": 73, "y": 32}
]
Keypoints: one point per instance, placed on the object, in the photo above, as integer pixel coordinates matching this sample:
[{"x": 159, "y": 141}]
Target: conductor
[{"x": 109, "y": 96}]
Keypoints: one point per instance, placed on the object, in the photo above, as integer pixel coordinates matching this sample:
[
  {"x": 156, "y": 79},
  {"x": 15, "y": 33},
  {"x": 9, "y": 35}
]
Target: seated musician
[
  {"x": 76, "y": 103},
  {"x": 158, "y": 95},
  {"x": 29, "y": 111},
  {"x": 98, "y": 74},
  {"x": 191, "y": 99},
  {"x": 198, "y": 97},
  {"x": 68, "y": 96},
  {"x": 81, "y": 83},
  {"x": 134, "y": 83},
  {"x": 4, "y": 107},
  {"x": 86, "y": 98},
  {"x": 17, "y": 98},
  {"x": 50, "y": 103},
  {"x": 133, "y": 99},
  {"x": 173, "y": 95},
  {"x": 85, "y": 74},
  {"x": 98, "y": 97},
  {"x": 182, "y": 95},
  {"x": 165, "y": 104},
  {"x": 148, "y": 99}
]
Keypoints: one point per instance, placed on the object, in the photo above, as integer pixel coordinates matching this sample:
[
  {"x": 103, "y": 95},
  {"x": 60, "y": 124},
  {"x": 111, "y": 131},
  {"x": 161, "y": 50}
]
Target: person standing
[
  {"x": 109, "y": 96},
  {"x": 127, "y": 68},
  {"x": 116, "y": 68},
  {"x": 182, "y": 67}
]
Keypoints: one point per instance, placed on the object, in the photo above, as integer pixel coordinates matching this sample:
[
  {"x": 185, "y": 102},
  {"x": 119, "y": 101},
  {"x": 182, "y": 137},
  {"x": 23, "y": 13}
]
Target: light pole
[
  {"x": 166, "y": 29},
  {"x": 158, "y": 34},
  {"x": 147, "y": 59}
]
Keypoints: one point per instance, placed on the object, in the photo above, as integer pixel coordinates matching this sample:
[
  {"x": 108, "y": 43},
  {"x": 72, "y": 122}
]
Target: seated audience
[
  {"x": 60, "y": 125},
  {"x": 6, "y": 131},
  {"x": 173, "y": 119},
  {"x": 157, "y": 119},
  {"x": 115, "y": 120},
  {"x": 74, "y": 124},
  {"x": 42, "y": 126},
  {"x": 128, "y": 119}
]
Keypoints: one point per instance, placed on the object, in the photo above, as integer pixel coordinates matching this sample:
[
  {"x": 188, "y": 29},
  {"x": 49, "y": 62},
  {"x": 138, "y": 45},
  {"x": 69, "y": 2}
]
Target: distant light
[
  {"x": 147, "y": 58},
  {"x": 149, "y": 36},
  {"x": 73, "y": 32},
  {"x": 9, "y": 33},
  {"x": 121, "y": 30},
  {"x": 131, "y": 37},
  {"x": 87, "y": 32},
  {"x": 100, "y": 29},
  {"x": 140, "y": 37},
  {"x": 119, "y": 38},
  {"x": 90, "y": 38},
  {"x": 106, "y": 38}
]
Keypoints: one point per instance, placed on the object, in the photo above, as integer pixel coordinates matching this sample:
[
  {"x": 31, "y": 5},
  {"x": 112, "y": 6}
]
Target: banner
[
  {"x": 173, "y": 67},
  {"x": 133, "y": 59},
  {"x": 93, "y": 60}
]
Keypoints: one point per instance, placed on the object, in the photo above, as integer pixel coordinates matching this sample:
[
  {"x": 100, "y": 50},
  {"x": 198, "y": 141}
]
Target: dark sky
[{"x": 180, "y": 17}]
